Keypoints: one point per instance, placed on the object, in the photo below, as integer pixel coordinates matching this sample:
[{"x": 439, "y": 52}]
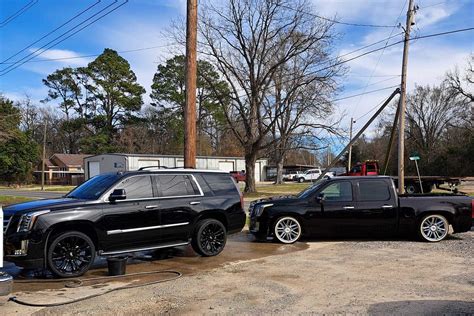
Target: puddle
[{"x": 239, "y": 247}]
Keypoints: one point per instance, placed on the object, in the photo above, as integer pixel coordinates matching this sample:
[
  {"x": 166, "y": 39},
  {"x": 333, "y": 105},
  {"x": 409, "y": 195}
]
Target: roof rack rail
[{"x": 153, "y": 167}]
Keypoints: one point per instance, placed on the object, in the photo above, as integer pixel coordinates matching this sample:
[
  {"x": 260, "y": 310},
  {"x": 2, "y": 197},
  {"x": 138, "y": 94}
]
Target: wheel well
[
  {"x": 446, "y": 214},
  {"x": 214, "y": 215},
  {"x": 83, "y": 227}
]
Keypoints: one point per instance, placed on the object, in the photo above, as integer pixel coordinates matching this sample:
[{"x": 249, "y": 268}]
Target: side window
[
  {"x": 374, "y": 190},
  {"x": 137, "y": 187},
  {"x": 220, "y": 184},
  {"x": 356, "y": 169},
  {"x": 176, "y": 185},
  {"x": 339, "y": 191}
]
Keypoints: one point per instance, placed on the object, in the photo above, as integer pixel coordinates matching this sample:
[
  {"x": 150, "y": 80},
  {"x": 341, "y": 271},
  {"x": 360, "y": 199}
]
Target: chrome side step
[{"x": 102, "y": 253}]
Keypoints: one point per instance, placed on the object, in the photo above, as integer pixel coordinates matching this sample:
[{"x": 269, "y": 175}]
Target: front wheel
[
  {"x": 433, "y": 228},
  {"x": 300, "y": 180},
  {"x": 70, "y": 254},
  {"x": 209, "y": 238},
  {"x": 287, "y": 230}
]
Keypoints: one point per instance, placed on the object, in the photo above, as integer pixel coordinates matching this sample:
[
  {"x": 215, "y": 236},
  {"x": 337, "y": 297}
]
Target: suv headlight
[
  {"x": 259, "y": 209},
  {"x": 28, "y": 220}
]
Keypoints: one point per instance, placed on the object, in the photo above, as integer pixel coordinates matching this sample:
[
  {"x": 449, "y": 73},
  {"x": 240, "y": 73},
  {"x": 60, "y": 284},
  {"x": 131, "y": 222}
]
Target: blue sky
[{"x": 141, "y": 23}]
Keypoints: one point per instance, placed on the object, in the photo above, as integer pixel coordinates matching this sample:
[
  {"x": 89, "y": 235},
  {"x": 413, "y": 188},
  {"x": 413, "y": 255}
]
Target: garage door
[
  {"x": 148, "y": 163},
  {"x": 94, "y": 168},
  {"x": 226, "y": 166}
]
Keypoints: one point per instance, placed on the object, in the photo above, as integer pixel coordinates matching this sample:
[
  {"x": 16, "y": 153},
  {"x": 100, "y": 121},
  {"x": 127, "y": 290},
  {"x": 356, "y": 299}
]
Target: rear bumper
[{"x": 236, "y": 222}]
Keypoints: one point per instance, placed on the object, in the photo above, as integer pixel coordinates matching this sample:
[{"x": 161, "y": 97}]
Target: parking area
[{"x": 398, "y": 276}]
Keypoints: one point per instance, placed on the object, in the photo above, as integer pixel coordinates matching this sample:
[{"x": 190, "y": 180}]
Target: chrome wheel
[
  {"x": 287, "y": 230},
  {"x": 434, "y": 228}
]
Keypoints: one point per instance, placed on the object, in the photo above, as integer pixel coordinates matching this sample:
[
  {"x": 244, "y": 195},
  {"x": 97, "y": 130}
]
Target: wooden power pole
[
  {"x": 350, "y": 147},
  {"x": 44, "y": 155},
  {"x": 402, "y": 104},
  {"x": 191, "y": 74}
]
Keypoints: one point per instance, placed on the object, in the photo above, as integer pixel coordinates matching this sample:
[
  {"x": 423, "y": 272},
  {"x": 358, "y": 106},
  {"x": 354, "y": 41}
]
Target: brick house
[{"x": 62, "y": 169}]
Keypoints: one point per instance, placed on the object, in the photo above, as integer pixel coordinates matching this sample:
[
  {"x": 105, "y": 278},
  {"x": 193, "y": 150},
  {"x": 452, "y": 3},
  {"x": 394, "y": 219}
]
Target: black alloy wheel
[
  {"x": 70, "y": 254},
  {"x": 209, "y": 238}
]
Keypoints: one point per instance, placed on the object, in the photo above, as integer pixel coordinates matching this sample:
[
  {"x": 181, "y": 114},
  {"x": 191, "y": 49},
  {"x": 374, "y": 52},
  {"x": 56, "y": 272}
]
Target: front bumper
[
  {"x": 24, "y": 251},
  {"x": 259, "y": 227}
]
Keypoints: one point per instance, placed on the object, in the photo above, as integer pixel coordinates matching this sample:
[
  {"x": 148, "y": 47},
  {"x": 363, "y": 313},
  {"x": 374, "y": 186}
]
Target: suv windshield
[
  {"x": 93, "y": 188},
  {"x": 306, "y": 192}
]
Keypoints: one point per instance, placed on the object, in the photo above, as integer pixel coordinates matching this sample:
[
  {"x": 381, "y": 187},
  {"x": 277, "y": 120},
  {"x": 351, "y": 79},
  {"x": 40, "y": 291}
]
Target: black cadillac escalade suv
[{"x": 126, "y": 212}]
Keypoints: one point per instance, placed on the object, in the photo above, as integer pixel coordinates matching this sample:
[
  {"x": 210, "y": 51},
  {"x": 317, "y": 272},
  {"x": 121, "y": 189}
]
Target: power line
[
  {"x": 46, "y": 35},
  {"x": 334, "y": 21},
  {"x": 14, "y": 66},
  {"x": 18, "y": 13},
  {"x": 92, "y": 55},
  {"x": 380, "y": 57},
  {"x": 367, "y": 92},
  {"x": 443, "y": 33}
]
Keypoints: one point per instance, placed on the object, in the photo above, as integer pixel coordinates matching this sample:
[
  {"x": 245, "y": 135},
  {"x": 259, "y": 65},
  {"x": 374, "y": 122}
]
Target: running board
[{"x": 103, "y": 253}]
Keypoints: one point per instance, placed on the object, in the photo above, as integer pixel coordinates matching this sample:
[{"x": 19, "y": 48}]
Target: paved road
[{"x": 32, "y": 194}]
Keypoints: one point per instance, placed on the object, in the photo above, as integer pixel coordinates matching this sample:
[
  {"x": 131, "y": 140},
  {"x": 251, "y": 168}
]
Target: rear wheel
[
  {"x": 209, "y": 238},
  {"x": 287, "y": 230},
  {"x": 70, "y": 254},
  {"x": 433, "y": 228},
  {"x": 410, "y": 189}
]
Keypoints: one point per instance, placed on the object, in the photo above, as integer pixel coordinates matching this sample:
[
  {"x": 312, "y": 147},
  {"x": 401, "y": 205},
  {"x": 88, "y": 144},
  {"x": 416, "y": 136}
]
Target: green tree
[
  {"x": 169, "y": 96},
  {"x": 114, "y": 91},
  {"x": 17, "y": 152}
]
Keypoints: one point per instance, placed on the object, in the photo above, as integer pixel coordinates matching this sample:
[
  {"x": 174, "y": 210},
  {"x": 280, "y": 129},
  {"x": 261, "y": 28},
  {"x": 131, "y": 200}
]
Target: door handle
[
  {"x": 194, "y": 203},
  {"x": 387, "y": 206},
  {"x": 150, "y": 207},
  {"x": 348, "y": 207}
]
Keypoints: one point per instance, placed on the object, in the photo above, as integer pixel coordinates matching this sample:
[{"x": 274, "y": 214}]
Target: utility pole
[
  {"x": 350, "y": 147},
  {"x": 191, "y": 71},
  {"x": 402, "y": 104},
  {"x": 44, "y": 155}
]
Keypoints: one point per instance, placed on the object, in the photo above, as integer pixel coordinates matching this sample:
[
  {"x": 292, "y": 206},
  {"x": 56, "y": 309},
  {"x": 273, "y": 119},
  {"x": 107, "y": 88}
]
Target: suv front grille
[{"x": 6, "y": 221}]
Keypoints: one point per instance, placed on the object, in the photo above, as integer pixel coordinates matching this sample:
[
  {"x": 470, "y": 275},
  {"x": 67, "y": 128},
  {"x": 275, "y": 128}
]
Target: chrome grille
[{"x": 6, "y": 221}]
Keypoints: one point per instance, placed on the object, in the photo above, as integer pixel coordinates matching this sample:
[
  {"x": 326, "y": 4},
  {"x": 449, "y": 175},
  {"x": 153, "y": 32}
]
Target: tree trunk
[
  {"x": 250, "y": 160},
  {"x": 279, "y": 178}
]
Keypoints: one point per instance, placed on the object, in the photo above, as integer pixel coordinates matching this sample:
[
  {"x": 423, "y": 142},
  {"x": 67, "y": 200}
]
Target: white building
[{"x": 94, "y": 165}]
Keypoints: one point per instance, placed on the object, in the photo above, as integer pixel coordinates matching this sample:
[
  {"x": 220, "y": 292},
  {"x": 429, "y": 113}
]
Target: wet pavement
[{"x": 239, "y": 247}]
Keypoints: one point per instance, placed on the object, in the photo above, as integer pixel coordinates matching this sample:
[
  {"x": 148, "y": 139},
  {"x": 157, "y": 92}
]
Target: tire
[
  {"x": 209, "y": 237},
  {"x": 300, "y": 180},
  {"x": 410, "y": 189},
  {"x": 287, "y": 230},
  {"x": 433, "y": 228},
  {"x": 70, "y": 254}
]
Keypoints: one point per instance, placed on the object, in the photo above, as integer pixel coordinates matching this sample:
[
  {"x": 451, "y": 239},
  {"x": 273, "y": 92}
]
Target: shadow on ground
[{"x": 428, "y": 307}]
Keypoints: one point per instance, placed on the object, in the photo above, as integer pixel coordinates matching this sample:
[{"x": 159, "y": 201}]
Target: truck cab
[{"x": 367, "y": 168}]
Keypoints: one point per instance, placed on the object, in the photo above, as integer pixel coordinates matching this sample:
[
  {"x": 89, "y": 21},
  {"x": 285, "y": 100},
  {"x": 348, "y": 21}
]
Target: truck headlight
[
  {"x": 28, "y": 220},
  {"x": 259, "y": 209}
]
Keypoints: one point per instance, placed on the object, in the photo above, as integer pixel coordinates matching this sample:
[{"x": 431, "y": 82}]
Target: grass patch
[
  {"x": 7, "y": 200},
  {"x": 35, "y": 187},
  {"x": 267, "y": 190}
]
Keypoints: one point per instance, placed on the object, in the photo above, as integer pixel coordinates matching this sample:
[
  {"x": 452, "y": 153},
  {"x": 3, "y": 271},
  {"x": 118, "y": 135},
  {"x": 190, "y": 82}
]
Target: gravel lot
[{"x": 323, "y": 277}]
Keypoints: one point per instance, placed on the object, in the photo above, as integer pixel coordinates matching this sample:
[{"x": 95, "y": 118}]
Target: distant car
[
  {"x": 238, "y": 175},
  {"x": 292, "y": 175},
  {"x": 312, "y": 174}
]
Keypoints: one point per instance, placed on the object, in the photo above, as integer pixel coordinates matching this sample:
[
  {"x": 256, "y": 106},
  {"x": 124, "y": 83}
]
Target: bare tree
[
  {"x": 463, "y": 85},
  {"x": 248, "y": 41}
]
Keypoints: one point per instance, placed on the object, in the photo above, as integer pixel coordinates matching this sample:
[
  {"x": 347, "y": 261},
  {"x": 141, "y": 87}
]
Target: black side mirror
[
  {"x": 320, "y": 197},
  {"x": 117, "y": 194}
]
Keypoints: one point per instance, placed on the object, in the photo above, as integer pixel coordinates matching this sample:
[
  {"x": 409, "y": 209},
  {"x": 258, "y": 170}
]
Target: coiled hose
[{"x": 74, "y": 283}]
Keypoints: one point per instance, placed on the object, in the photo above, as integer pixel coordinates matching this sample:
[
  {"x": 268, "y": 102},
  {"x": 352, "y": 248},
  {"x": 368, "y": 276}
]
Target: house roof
[
  {"x": 49, "y": 164},
  {"x": 70, "y": 160}
]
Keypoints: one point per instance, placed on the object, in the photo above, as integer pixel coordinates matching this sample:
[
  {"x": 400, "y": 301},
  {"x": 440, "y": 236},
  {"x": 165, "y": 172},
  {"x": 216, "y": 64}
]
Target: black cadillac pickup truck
[{"x": 350, "y": 206}]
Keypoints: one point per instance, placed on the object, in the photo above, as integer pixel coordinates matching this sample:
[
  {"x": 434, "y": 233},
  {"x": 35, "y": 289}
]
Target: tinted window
[
  {"x": 374, "y": 190},
  {"x": 93, "y": 188},
  {"x": 176, "y": 185},
  {"x": 339, "y": 191},
  {"x": 137, "y": 187},
  {"x": 220, "y": 184},
  {"x": 356, "y": 169},
  {"x": 371, "y": 168}
]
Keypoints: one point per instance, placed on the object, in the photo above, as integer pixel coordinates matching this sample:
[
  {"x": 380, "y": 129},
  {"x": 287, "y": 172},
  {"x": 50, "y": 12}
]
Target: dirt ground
[{"x": 393, "y": 276}]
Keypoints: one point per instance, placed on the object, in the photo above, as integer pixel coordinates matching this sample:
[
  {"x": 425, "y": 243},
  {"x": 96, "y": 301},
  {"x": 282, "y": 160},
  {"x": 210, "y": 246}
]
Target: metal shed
[{"x": 94, "y": 165}]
